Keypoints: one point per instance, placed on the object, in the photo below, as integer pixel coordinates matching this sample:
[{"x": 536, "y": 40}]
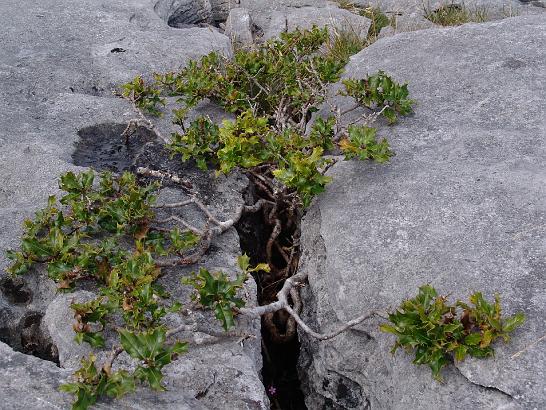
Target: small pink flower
[{"x": 272, "y": 390}]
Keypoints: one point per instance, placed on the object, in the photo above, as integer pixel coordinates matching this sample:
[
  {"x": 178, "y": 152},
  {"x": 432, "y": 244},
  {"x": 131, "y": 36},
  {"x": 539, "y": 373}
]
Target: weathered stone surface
[
  {"x": 305, "y": 17},
  {"x": 57, "y": 322},
  {"x": 220, "y": 8},
  {"x": 239, "y": 27},
  {"x": 32, "y": 383},
  {"x": 29, "y": 382},
  {"x": 59, "y": 62},
  {"x": 461, "y": 206}
]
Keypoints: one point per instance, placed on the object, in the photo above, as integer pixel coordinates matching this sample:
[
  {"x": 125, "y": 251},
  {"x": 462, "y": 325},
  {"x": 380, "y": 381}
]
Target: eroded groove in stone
[{"x": 184, "y": 13}]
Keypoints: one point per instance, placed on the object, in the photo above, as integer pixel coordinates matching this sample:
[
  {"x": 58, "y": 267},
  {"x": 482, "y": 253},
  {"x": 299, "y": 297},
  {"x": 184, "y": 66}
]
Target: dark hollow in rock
[
  {"x": 184, "y": 13},
  {"x": 33, "y": 341},
  {"x": 103, "y": 147},
  {"x": 279, "y": 372},
  {"x": 15, "y": 290}
]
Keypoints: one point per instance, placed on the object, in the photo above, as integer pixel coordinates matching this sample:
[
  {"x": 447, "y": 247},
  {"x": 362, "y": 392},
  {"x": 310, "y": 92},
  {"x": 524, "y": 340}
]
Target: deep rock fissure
[
  {"x": 103, "y": 147},
  {"x": 280, "y": 357}
]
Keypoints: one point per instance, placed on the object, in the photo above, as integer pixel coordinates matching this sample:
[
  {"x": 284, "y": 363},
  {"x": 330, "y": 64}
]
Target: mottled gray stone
[
  {"x": 221, "y": 8},
  {"x": 239, "y": 27},
  {"x": 305, "y": 17},
  {"x": 29, "y": 382},
  {"x": 32, "y": 383},
  {"x": 461, "y": 206},
  {"x": 59, "y": 62}
]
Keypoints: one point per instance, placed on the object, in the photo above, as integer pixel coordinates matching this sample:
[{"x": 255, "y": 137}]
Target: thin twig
[
  {"x": 517, "y": 354},
  {"x": 282, "y": 303},
  {"x": 107, "y": 366},
  {"x": 164, "y": 175}
]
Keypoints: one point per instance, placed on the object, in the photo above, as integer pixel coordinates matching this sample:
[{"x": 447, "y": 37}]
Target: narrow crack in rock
[{"x": 490, "y": 388}]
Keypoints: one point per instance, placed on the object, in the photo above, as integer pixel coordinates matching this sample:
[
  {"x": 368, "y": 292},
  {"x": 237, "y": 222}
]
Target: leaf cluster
[
  {"x": 361, "y": 143},
  {"x": 92, "y": 383},
  {"x": 273, "y": 89},
  {"x": 250, "y": 141},
  {"x": 436, "y": 330},
  {"x": 70, "y": 241},
  {"x": 144, "y": 96},
  {"x": 87, "y": 315},
  {"x": 102, "y": 230},
  {"x": 218, "y": 292},
  {"x": 288, "y": 72},
  {"x": 152, "y": 352},
  {"x": 379, "y": 91}
]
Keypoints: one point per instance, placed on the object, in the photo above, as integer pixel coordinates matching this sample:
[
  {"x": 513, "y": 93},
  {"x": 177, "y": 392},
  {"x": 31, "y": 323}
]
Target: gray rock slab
[
  {"x": 332, "y": 17},
  {"x": 59, "y": 62},
  {"x": 31, "y": 383},
  {"x": 239, "y": 26},
  {"x": 493, "y": 8},
  {"x": 461, "y": 206}
]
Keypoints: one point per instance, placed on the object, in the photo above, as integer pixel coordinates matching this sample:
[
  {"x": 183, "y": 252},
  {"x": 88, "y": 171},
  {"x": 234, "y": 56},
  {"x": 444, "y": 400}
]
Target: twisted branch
[{"x": 290, "y": 285}]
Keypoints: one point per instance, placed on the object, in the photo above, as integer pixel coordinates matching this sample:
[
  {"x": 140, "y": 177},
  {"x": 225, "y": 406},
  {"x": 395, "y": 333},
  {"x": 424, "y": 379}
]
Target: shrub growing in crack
[
  {"x": 274, "y": 89},
  {"x": 108, "y": 231}
]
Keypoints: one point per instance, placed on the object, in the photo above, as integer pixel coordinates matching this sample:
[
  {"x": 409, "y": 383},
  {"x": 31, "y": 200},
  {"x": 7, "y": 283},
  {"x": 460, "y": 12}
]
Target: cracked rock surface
[
  {"x": 461, "y": 206},
  {"x": 59, "y": 62}
]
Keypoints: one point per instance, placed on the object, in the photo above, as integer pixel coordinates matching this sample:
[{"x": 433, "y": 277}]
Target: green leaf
[
  {"x": 152, "y": 375},
  {"x": 119, "y": 384},
  {"x": 513, "y": 322},
  {"x": 224, "y": 314},
  {"x": 473, "y": 339},
  {"x": 132, "y": 344},
  {"x": 35, "y": 247},
  {"x": 96, "y": 340},
  {"x": 436, "y": 363},
  {"x": 69, "y": 182},
  {"x": 388, "y": 329},
  {"x": 71, "y": 388},
  {"x": 460, "y": 353},
  {"x": 244, "y": 262},
  {"x": 85, "y": 399}
]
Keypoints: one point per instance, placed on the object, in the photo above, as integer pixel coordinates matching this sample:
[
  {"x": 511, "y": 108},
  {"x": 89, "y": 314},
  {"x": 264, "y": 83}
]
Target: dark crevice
[
  {"x": 280, "y": 353},
  {"x": 187, "y": 14},
  {"x": 488, "y": 388},
  {"x": 33, "y": 341},
  {"x": 16, "y": 290}
]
